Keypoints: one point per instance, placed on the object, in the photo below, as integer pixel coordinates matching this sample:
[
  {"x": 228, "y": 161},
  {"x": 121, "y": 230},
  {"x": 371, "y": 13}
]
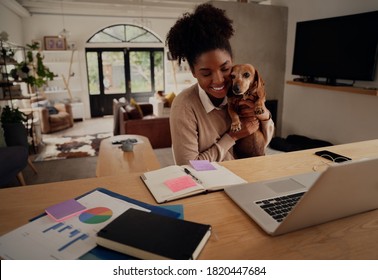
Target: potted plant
[
  {"x": 32, "y": 71},
  {"x": 12, "y": 120}
]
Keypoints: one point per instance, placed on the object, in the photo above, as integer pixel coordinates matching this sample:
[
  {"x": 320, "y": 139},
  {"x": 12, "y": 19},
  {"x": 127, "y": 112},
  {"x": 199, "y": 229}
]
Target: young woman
[{"x": 199, "y": 120}]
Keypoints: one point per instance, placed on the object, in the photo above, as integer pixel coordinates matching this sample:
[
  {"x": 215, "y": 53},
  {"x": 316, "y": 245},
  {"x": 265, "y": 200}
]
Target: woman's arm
[
  {"x": 186, "y": 139},
  {"x": 265, "y": 119}
]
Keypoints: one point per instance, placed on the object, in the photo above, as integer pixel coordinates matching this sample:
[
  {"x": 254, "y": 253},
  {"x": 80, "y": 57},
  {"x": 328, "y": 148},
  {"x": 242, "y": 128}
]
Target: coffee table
[{"x": 113, "y": 161}]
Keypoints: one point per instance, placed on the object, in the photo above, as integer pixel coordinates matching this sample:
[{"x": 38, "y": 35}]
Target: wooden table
[
  {"x": 113, "y": 161},
  {"x": 235, "y": 235}
]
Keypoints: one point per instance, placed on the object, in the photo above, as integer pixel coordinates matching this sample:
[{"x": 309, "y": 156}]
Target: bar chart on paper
[
  {"x": 44, "y": 238},
  {"x": 71, "y": 235}
]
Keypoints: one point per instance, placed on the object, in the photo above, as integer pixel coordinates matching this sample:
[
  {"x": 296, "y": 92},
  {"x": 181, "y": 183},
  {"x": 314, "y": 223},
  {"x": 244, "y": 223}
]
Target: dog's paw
[
  {"x": 259, "y": 111},
  {"x": 235, "y": 127}
]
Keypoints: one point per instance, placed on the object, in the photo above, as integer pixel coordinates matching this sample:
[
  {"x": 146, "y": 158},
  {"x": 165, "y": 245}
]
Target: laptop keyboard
[{"x": 279, "y": 207}]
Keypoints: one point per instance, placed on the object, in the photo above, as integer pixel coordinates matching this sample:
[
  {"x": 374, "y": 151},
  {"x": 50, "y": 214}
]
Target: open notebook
[{"x": 174, "y": 182}]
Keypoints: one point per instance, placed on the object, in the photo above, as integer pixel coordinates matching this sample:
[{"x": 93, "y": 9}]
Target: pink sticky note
[
  {"x": 65, "y": 210},
  {"x": 180, "y": 183},
  {"x": 202, "y": 165}
]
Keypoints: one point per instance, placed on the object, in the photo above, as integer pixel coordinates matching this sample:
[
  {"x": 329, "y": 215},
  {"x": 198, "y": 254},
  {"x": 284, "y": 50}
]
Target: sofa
[
  {"x": 138, "y": 118},
  {"x": 54, "y": 117}
]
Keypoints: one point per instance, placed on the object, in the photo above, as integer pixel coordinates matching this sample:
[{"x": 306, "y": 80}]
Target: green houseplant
[
  {"x": 33, "y": 71},
  {"x": 11, "y": 115},
  {"x": 12, "y": 120}
]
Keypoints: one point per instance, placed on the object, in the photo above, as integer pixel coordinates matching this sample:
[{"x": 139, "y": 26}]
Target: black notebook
[{"x": 151, "y": 236}]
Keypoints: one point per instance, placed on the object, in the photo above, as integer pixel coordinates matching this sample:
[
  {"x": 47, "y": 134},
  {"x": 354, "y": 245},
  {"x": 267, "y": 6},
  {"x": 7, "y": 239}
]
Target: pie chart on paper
[{"x": 96, "y": 215}]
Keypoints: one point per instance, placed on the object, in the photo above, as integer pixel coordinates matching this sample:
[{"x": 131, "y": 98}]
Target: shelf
[
  {"x": 61, "y": 91},
  {"x": 57, "y": 62},
  {"x": 56, "y": 91},
  {"x": 373, "y": 92},
  {"x": 14, "y": 98}
]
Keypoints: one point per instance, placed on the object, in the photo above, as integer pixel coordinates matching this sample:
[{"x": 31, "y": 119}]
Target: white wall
[
  {"x": 12, "y": 24},
  {"x": 338, "y": 117},
  {"x": 334, "y": 116},
  {"x": 260, "y": 39},
  {"x": 82, "y": 28}
]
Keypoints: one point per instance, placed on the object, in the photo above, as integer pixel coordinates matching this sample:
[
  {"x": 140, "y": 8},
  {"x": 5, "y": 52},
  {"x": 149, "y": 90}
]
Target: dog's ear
[{"x": 257, "y": 86}]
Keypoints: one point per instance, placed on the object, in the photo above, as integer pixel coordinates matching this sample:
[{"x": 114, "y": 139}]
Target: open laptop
[{"x": 343, "y": 189}]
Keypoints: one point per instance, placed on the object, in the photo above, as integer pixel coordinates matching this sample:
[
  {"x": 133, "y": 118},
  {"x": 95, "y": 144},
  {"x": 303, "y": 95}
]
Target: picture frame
[{"x": 54, "y": 43}]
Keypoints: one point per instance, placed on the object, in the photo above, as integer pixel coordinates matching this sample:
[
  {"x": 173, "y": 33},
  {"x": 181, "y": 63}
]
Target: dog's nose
[{"x": 236, "y": 89}]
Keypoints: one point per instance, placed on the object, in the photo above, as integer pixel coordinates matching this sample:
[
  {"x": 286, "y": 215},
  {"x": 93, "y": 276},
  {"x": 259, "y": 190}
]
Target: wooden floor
[
  {"x": 105, "y": 124},
  {"x": 78, "y": 168},
  {"x": 86, "y": 127}
]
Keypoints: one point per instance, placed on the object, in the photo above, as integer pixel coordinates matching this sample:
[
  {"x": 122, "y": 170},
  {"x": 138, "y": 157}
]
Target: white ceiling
[{"x": 149, "y": 8}]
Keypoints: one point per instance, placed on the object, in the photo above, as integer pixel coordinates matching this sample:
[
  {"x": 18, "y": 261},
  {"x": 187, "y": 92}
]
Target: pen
[{"x": 194, "y": 177}]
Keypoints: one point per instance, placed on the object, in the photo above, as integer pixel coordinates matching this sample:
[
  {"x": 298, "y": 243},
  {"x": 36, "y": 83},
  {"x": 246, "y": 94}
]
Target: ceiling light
[{"x": 64, "y": 33}]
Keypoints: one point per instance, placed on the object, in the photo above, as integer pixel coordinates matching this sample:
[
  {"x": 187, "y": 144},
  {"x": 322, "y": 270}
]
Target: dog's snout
[{"x": 236, "y": 89}]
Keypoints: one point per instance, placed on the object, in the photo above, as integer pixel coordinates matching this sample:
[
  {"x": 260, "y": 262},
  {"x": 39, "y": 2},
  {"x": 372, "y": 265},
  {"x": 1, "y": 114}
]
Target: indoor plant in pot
[
  {"x": 12, "y": 120},
  {"x": 33, "y": 71}
]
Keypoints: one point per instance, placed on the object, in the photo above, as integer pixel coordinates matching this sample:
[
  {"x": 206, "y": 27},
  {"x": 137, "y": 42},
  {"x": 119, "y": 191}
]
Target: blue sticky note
[{"x": 65, "y": 210}]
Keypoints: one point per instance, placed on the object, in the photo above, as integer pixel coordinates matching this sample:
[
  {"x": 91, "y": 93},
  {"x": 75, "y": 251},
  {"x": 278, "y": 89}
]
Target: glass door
[
  {"x": 106, "y": 80},
  {"x": 115, "y": 73}
]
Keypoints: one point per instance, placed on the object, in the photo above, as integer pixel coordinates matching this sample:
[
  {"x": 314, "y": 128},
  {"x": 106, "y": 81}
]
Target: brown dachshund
[{"x": 248, "y": 85}]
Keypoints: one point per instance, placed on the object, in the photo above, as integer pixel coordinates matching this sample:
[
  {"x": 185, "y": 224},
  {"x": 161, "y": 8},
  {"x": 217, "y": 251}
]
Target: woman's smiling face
[{"x": 212, "y": 70}]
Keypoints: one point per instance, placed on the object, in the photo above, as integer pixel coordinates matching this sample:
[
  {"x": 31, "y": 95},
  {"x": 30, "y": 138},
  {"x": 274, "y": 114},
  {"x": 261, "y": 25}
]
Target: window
[
  {"x": 125, "y": 59},
  {"x": 124, "y": 34}
]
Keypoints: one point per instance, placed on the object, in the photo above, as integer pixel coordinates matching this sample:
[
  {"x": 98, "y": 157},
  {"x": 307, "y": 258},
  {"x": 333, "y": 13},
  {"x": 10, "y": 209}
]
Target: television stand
[
  {"x": 349, "y": 89},
  {"x": 327, "y": 82}
]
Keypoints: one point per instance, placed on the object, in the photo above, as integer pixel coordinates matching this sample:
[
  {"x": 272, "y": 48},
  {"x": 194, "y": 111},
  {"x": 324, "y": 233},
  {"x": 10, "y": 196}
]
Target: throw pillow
[
  {"x": 159, "y": 96},
  {"x": 52, "y": 110},
  {"x": 133, "y": 113},
  {"x": 169, "y": 97},
  {"x": 136, "y": 105},
  {"x": 122, "y": 100}
]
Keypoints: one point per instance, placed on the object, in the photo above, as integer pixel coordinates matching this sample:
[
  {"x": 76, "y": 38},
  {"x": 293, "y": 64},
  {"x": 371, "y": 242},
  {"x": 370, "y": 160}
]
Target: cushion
[
  {"x": 169, "y": 97},
  {"x": 133, "y": 113},
  {"x": 295, "y": 142},
  {"x": 52, "y": 110},
  {"x": 122, "y": 100},
  {"x": 59, "y": 118},
  {"x": 159, "y": 96},
  {"x": 136, "y": 105}
]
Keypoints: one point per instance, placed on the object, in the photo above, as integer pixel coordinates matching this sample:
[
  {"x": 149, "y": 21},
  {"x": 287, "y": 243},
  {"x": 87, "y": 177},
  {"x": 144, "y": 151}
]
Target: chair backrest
[
  {"x": 15, "y": 134},
  {"x": 116, "y": 123},
  {"x": 272, "y": 106}
]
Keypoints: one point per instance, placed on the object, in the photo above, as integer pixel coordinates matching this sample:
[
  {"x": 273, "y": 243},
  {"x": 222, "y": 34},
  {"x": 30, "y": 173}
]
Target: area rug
[{"x": 71, "y": 147}]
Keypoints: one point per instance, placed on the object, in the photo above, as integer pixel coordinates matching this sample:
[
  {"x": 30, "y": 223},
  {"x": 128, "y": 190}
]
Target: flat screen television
[{"x": 342, "y": 47}]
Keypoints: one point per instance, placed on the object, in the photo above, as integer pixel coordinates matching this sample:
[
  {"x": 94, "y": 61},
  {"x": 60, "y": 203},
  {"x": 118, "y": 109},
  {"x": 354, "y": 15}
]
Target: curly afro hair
[{"x": 208, "y": 28}]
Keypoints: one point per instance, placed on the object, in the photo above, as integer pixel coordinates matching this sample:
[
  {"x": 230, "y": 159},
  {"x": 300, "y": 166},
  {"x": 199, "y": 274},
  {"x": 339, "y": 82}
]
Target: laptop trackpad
[{"x": 285, "y": 186}]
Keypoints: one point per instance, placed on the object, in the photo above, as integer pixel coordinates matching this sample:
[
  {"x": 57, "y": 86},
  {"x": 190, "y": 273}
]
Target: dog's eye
[
  {"x": 246, "y": 75},
  {"x": 232, "y": 76}
]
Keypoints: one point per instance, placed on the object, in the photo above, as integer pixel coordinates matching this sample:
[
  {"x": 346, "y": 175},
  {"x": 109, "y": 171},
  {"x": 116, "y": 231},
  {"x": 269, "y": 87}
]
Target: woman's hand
[{"x": 249, "y": 126}]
